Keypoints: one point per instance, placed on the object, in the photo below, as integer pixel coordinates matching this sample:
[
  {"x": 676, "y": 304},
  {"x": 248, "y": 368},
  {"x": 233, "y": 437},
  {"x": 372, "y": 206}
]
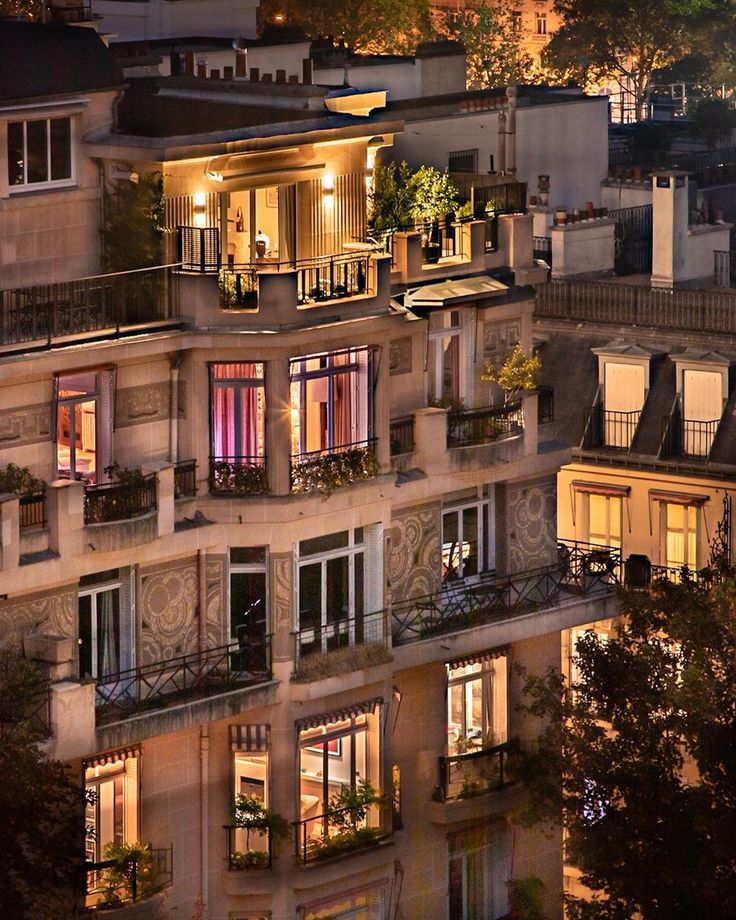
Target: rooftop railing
[
  {"x": 45, "y": 313},
  {"x": 463, "y": 776},
  {"x": 610, "y": 428},
  {"x": 116, "y": 501},
  {"x": 175, "y": 680}
]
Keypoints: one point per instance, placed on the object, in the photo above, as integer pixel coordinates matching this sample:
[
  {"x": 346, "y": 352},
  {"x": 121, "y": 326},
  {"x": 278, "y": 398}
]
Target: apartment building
[{"x": 260, "y": 560}]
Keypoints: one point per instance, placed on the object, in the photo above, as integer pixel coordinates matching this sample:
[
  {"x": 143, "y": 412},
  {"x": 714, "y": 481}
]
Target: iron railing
[
  {"x": 326, "y": 470},
  {"x": 174, "y": 680},
  {"x": 32, "y": 511},
  {"x": 402, "y": 435},
  {"x": 338, "y": 831},
  {"x": 312, "y": 642},
  {"x": 257, "y": 852},
  {"x": 682, "y": 437},
  {"x": 628, "y": 305},
  {"x": 543, "y": 249},
  {"x": 683, "y": 573},
  {"x": 545, "y": 405},
  {"x": 475, "y": 772},
  {"x": 185, "y": 479},
  {"x": 581, "y": 568},
  {"x": 238, "y": 476},
  {"x": 31, "y": 713},
  {"x": 709, "y": 167},
  {"x": 160, "y": 874},
  {"x": 610, "y": 428},
  {"x": 334, "y": 277},
  {"x": 633, "y": 239},
  {"x": 440, "y": 240},
  {"x": 47, "y": 312},
  {"x": 483, "y": 426},
  {"x": 239, "y": 287},
  {"x": 116, "y": 501}
]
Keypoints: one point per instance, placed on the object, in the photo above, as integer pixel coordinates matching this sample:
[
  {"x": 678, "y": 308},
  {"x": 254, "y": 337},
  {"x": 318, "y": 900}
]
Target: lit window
[
  {"x": 477, "y": 707},
  {"x": 250, "y": 745},
  {"x": 541, "y": 23},
  {"x": 681, "y": 536},
  {"x": 84, "y": 417},
  {"x": 467, "y": 541},
  {"x": 362, "y": 905},
  {"x": 238, "y": 412},
  {"x": 479, "y": 873},
  {"x": 40, "y": 152},
  {"x": 604, "y": 520},
  {"x": 330, "y": 402},
  {"x": 111, "y": 810}
]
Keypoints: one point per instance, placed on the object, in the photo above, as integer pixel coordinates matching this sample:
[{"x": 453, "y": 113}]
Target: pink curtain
[
  {"x": 223, "y": 427},
  {"x": 238, "y": 411}
]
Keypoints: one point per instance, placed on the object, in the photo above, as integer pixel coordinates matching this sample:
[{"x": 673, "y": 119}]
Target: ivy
[
  {"x": 234, "y": 478},
  {"x": 333, "y": 471}
]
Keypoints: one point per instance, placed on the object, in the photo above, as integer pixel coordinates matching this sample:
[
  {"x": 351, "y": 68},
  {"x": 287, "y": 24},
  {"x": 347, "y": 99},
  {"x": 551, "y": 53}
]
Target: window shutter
[
  {"x": 105, "y": 421},
  {"x": 467, "y": 357},
  {"x": 127, "y": 618},
  {"x": 500, "y": 871},
  {"x": 374, "y": 581},
  {"x": 130, "y": 799},
  {"x": 499, "y": 697}
]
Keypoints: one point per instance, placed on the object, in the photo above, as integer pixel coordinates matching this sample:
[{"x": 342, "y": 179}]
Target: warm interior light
[
  {"x": 200, "y": 202},
  {"x": 328, "y": 189}
]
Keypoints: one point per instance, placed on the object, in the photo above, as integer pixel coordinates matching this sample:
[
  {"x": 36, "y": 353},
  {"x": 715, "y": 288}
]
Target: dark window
[
  {"x": 463, "y": 161},
  {"x": 39, "y": 151}
]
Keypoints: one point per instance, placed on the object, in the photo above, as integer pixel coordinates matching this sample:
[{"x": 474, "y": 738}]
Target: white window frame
[
  {"x": 485, "y": 523},
  {"x": 26, "y": 186},
  {"x": 588, "y": 536},
  {"x": 93, "y": 592},
  {"x": 692, "y": 564},
  {"x": 435, "y": 354},
  {"x": 493, "y": 676},
  {"x": 540, "y": 22}
]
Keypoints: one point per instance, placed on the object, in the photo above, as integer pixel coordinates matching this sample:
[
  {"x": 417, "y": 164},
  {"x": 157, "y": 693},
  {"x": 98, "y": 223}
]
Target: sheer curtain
[{"x": 108, "y": 633}]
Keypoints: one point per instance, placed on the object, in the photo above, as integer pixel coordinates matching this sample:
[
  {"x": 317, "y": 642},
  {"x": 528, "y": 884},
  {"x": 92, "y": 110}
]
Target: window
[
  {"x": 516, "y": 20},
  {"x": 479, "y": 873},
  {"x": 624, "y": 394},
  {"x": 463, "y": 161},
  {"x": 365, "y": 905},
  {"x": 681, "y": 535},
  {"x": 340, "y": 589},
  {"x": 250, "y": 745},
  {"x": 467, "y": 540},
  {"x": 40, "y": 152},
  {"x": 111, "y": 809},
  {"x": 336, "y": 755},
  {"x": 540, "y": 21},
  {"x": 702, "y": 407},
  {"x": 605, "y": 514},
  {"x": 104, "y": 608},
  {"x": 477, "y": 707},
  {"x": 84, "y": 414},
  {"x": 443, "y": 360},
  {"x": 331, "y": 401},
  {"x": 575, "y": 636},
  {"x": 248, "y": 605},
  {"x": 238, "y": 411}
]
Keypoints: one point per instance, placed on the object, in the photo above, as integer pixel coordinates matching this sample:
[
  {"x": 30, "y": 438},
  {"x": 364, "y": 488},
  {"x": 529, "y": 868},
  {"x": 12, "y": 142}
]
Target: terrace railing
[
  {"x": 185, "y": 479},
  {"x": 32, "y": 511},
  {"x": 581, "y": 568},
  {"x": 334, "y": 277},
  {"x": 239, "y": 287},
  {"x": 47, "y": 312},
  {"x": 475, "y": 772},
  {"x": 158, "y": 875},
  {"x": 610, "y": 428},
  {"x": 483, "y": 426},
  {"x": 175, "y": 680},
  {"x": 337, "y": 831},
  {"x": 326, "y": 470},
  {"x": 311, "y": 642},
  {"x": 238, "y": 476},
  {"x": 253, "y": 851},
  {"x": 32, "y": 713},
  {"x": 682, "y": 437},
  {"x": 116, "y": 501},
  {"x": 402, "y": 435}
]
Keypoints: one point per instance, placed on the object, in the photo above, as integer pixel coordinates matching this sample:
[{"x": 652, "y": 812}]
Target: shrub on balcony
[
  {"x": 519, "y": 372},
  {"x": 333, "y": 471},
  {"x": 249, "y": 813},
  {"x": 18, "y": 480},
  {"x": 131, "y": 859},
  {"x": 347, "y": 810},
  {"x": 235, "y": 478}
]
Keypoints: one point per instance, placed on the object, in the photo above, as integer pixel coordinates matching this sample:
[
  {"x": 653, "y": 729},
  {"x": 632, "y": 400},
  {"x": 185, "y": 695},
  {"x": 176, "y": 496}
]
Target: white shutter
[
  {"x": 499, "y": 696},
  {"x": 130, "y": 800},
  {"x": 105, "y": 421},
  {"x": 625, "y": 385},
  {"x": 373, "y": 580},
  {"x": 702, "y": 400}
]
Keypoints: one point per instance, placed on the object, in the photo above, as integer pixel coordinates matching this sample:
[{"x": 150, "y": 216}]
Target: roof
[
  {"x": 447, "y": 292},
  {"x": 52, "y": 60}
]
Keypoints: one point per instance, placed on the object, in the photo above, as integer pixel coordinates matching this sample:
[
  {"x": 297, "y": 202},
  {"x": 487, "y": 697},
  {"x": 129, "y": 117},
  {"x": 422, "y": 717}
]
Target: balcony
[
  {"x": 463, "y": 776},
  {"x": 257, "y": 852},
  {"x": 606, "y": 428},
  {"x": 68, "y": 312},
  {"x": 682, "y": 437},
  {"x": 131, "y": 888},
  {"x": 185, "y": 479},
  {"x": 119, "y": 501},
  {"x": 341, "y": 645},
  {"x": 173, "y": 681},
  {"x": 338, "y": 832},
  {"x": 484, "y": 426},
  {"x": 238, "y": 476},
  {"x": 327, "y": 470},
  {"x": 31, "y": 713},
  {"x": 32, "y": 511},
  {"x": 401, "y": 433},
  {"x": 582, "y": 569}
]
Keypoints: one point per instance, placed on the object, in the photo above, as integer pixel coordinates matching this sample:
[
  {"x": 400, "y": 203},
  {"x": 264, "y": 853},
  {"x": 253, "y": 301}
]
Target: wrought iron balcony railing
[
  {"x": 402, "y": 435},
  {"x": 484, "y": 426},
  {"x": 338, "y": 831},
  {"x": 185, "y": 479},
  {"x": 45, "y": 313},
  {"x": 334, "y": 277},
  {"x": 683, "y": 573},
  {"x": 117, "y": 501},
  {"x": 239, "y": 287},
  {"x": 137, "y": 882},
  {"x": 466, "y": 775},
  {"x": 326, "y": 470},
  {"x": 238, "y": 476},
  {"x": 610, "y": 428},
  {"x": 682, "y": 437},
  {"x": 253, "y": 851},
  {"x": 31, "y": 714},
  {"x": 582, "y": 569},
  {"x": 313, "y": 642},
  {"x": 32, "y": 511},
  {"x": 176, "y": 680}
]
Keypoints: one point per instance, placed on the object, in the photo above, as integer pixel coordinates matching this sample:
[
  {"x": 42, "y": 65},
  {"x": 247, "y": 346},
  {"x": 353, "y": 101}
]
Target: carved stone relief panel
[
  {"x": 413, "y": 552},
  {"x": 282, "y": 577},
  {"x": 25, "y": 425},
  {"x": 500, "y": 338},
  {"x": 217, "y": 619},
  {"x": 138, "y": 405},
  {"x": 53, "y": 612},
  {"x": 167, "y": 610},
  {"x": 532, "y": 524}
]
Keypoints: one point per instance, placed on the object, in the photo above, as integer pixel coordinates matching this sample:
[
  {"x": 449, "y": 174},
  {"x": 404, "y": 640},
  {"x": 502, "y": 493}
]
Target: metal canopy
[{"x": 448, "y": 292}]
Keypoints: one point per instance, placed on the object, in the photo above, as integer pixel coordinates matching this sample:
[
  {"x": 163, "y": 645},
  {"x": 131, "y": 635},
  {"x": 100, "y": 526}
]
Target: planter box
[
  {"x": 49, "y": 648},
  {"x": 153, "y": 908}
]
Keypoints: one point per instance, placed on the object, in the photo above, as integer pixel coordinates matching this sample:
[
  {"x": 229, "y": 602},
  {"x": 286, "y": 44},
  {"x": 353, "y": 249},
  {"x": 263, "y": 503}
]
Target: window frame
[
  {"x": 93, "y": 592},
  {"x": 687, "y": 534},
  {"x": 26, "y": 186},
  {"x": 237, "y": 384},
  {"x": 436, "y": 353},
  {"x": 485, "y": 539},
  {"x": 489, "y": 676},
  {"x": 588, "y": 496},
  {"x": 104, "y": 400}
]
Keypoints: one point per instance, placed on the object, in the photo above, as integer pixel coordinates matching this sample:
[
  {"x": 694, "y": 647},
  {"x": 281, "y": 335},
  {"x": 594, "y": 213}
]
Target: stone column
[{"x": 278, "y": 426}]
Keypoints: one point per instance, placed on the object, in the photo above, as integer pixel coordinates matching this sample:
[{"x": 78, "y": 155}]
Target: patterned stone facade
[
  {"x": 53, "y": 612},
  {"x": 532, "y": 524},
  {"x": 25, "y": 425},
  {"x": 282, "y": 574},
  {"x": 138, "y": 405},
  {"x": 413, "y": 552}
]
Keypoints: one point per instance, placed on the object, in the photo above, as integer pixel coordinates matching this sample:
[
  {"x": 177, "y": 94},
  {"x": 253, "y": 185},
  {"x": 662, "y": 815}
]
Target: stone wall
[
  {"x": 53, "y": 612},
  {"x": 413, "y": 552},
  {"x": 532, "y": 524}
]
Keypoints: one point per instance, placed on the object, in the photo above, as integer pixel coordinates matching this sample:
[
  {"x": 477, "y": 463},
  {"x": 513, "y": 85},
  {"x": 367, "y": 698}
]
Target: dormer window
[
  {"x": 40, "y": 153},
  {"x": 623, "y": 398},
  {"x": 702, "y": 406}
]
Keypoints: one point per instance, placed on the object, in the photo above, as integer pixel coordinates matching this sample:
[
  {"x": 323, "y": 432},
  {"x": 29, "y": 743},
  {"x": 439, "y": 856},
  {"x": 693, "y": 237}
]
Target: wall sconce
[
  {"x": 328, "y": 190},
  {"x": 200, "y": 209}
]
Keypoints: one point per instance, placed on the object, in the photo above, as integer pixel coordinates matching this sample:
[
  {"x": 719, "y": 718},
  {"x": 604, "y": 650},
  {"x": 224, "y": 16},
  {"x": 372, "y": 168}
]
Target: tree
[
  {"x": 41, "y": 854},
  {"x": 490, "y": 31},
  {"x": 433, "y": 194},
  {"x": 25, "y": 9},
  {"x": 390, "y": 200},
  {"x": 519, "y": 372},
  {"x": 134, "y": 217},
  {"x": 626, "y": 41},
  {"x": 638, "y": 759},
  {"x": 367, "y": 26}
]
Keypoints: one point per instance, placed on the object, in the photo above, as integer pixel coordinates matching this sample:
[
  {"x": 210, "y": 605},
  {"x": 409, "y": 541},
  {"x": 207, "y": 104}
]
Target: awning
[
  {"x": 678, "y": 498},
  {"x": 445, "y": 293},
  {"x": 479, "y": 657},
  {"x": 339, "y": 715},
  {"x": 100, "y": 760},
  {"x": 600, "y": 488},
  {"x": 250, "y": 739}
]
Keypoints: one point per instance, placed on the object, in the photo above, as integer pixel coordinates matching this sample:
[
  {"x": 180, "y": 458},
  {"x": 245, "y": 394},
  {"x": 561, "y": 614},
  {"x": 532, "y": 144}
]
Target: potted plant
[
  {"x": 348, "y": 813},
  {"x": 133, "y": 875},
  {"x": 250, "y": 814},
  {"x": 434, "y": 196},
  {"x": 517, "y": 374}
]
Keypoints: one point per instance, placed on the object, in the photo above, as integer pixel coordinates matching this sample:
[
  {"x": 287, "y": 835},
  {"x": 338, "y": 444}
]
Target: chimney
[
  {"x": 307, "y": 71},
  {"x": 240, "y": 61},
  {"x": 511, "y": 96},
  {"x": 670, "y": 221}
]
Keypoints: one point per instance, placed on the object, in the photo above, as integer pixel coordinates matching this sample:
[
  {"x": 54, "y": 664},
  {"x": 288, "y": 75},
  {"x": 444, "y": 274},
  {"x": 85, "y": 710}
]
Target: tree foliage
[
  {"x": 373, "y": 26},
  {"x": 41, "y": 855},
  {"x": 134, "y": 217},
  {"x": 638, "y": 759},
  {"x": 517, "y": 373},
  {"x": 401, "y": 197},
  {"x": 628, "y": 40},
  {"x": 493, "y": 42},
  {"x": 24, "y": 9}
]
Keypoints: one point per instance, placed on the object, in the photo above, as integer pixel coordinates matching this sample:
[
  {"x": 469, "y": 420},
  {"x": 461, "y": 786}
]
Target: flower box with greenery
[
  {"x": 131, "y": 877},
  {"x": 18, "y": 480},
  {"x": 130, "y": 493},
  {"x": 327, "y": 472},
  {"x": 345, "y": 822},
  {"x": 263, "y": 829}
]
